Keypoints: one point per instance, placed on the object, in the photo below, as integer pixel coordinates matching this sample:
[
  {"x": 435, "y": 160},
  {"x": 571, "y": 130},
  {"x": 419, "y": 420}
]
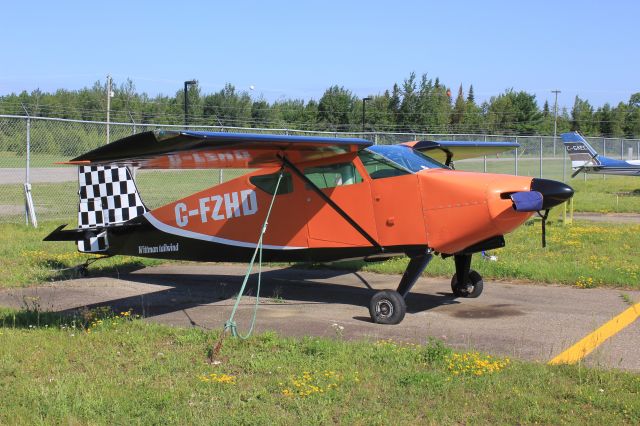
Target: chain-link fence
[{"x": 30, "y": 147}]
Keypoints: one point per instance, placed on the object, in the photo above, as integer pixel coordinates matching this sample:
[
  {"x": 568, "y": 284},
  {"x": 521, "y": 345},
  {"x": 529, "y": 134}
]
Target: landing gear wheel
[
  {"x": 387, "y": 307},
  {"x": 473, "y": 287}
]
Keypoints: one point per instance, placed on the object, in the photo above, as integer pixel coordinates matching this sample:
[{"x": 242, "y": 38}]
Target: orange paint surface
[{"x": 444, "y": 209}]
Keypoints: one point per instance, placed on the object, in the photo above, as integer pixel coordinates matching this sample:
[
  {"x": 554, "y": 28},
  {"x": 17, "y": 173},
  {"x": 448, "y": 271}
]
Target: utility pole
[
  {"x": 364, "y": 100},
  {"x": 555, "y": 131},
  {"x": 109, "y": 95},
  {"x": 555, "y": 120},
  {"x": 186, "y": 100}
]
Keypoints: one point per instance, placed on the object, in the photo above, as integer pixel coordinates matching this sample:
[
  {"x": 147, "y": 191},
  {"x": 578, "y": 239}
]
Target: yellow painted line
[{"x": 591, "y": 341}]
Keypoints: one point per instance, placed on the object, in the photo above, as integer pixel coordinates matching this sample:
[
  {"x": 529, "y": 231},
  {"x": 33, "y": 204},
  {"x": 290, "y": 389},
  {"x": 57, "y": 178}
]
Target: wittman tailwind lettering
[
  {"x": 219, "y": 207},
  {"x": 164, "y": 248}
]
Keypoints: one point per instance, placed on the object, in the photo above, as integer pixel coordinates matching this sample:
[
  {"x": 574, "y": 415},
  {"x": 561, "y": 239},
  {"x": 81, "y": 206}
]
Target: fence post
[
  {"x": 516, "y": 159},
  {"x": 134, "y": 123},
  {"x": 29, "y": 211},
  {"x": 485, "y": 157},
  {"x": 27, "y": 169},
  {"x": 540, "y": 157},
  {"x": 564, "y": 164},
  {"x": 604, "y": 154}
]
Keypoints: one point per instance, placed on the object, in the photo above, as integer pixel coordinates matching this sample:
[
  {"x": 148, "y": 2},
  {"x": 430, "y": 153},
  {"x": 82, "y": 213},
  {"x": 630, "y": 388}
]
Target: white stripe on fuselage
[
  {"x": 622, "y": 171},
  {"x": 204, "y": 237}
]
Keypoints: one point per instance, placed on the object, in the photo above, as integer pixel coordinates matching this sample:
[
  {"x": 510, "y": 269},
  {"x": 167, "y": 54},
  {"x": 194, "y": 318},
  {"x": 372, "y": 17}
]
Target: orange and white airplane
[{"x": 326, "y": 199}]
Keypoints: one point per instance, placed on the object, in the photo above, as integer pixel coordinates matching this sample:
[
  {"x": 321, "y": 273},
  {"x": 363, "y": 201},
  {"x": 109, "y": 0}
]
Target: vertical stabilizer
[
  {"x": 581, "y": 153},
  {"x": 108, "y": 196}
]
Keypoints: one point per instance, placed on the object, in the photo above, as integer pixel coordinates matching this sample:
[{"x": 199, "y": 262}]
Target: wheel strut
[
  {"x": 389, "y": 306},
  {"x": 416, "y": 266},
  {"x": 463, "y": 265}
]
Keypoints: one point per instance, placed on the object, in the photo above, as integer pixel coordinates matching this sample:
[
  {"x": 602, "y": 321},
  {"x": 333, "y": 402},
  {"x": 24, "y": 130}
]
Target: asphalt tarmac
[
  {"x": 528, "y": 321},
  {"x": 38, "y": 175}
]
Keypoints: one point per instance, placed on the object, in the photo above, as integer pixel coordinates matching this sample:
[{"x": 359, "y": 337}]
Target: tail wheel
[
  {"x": 472, "y": 288},
  {"x": 387, "y": 307}
]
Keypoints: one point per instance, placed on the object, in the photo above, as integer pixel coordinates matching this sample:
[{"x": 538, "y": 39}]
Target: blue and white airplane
[{"x": 585, "y": 159}]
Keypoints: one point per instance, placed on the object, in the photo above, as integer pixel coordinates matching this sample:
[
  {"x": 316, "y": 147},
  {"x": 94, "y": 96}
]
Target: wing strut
[{"x": 329, "y": 201}]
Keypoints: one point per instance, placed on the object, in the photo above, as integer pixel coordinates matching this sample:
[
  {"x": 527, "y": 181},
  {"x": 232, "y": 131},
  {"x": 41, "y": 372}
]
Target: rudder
[
  {"x": 579, "y": 150},
  {"x": 108, "y": 195}
]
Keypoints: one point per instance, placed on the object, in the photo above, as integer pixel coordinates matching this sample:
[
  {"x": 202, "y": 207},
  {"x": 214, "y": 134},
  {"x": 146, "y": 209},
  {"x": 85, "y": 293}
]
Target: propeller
[{"x": 581, "y": 168}]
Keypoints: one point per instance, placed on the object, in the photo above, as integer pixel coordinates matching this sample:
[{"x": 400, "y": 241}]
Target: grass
[
  {"x": 13, "y": 160},
  {"x": 583, "y": 254},
  {"x": 104, "y": 369},
  {"x": 25, "y": 259}
]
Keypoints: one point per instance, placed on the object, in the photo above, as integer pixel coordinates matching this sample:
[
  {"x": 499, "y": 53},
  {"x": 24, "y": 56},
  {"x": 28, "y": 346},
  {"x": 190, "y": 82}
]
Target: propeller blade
[
  {"x": 574, "y": 174},
  {"x": 581, "y": 168}
]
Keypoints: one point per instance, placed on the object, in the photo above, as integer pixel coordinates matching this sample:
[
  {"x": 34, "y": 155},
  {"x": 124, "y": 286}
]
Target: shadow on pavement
[{"x": 297, "y": 286}]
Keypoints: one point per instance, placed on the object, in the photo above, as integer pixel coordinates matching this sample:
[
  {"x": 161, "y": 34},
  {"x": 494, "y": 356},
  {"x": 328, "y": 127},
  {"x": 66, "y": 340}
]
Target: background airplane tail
[
  {"x": 108, "y": 196},
  {"x": 579, "y": 150}
]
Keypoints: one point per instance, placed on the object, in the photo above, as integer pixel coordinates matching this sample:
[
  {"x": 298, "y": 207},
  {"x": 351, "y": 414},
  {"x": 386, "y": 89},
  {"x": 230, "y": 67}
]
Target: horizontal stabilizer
[{"x": 82, "y": 234}]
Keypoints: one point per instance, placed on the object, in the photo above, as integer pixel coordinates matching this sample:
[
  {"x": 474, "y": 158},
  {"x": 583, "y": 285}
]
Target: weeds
[
  {"x": 475, "y": 364},
  {"x": 627, "y": 299},
  {"x": 129, "y": 371},
  {"x": 315, "y": 382}
]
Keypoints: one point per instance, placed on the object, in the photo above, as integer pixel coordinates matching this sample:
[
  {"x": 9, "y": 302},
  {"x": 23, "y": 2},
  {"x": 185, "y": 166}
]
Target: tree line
[{"x": 418, "y": 104}]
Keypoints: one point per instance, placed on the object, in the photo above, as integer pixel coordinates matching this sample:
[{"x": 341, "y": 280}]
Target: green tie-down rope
[{"x": 230, "y": 324}]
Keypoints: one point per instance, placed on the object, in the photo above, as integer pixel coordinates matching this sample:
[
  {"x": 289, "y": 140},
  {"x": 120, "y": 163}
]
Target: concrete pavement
[{"x": 533, "y": 322}]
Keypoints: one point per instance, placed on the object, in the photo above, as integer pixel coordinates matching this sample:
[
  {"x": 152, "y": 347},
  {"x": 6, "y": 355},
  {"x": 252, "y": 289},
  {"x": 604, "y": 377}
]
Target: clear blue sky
[{"x": 297, "y": 49}]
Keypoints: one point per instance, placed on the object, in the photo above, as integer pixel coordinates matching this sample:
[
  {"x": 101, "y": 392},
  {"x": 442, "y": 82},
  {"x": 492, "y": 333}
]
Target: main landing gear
[
  {"x": 389, "y": 306},
  {"x": 470, "y": 284}
]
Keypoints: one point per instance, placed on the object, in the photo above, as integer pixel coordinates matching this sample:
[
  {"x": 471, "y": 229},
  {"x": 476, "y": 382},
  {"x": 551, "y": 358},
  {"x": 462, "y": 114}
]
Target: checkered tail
[{"x": 108, "y": 195}]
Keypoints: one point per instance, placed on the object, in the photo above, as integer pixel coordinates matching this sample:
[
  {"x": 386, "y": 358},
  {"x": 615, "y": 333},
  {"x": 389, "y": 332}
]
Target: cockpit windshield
[{"x": 405, "y": 157}]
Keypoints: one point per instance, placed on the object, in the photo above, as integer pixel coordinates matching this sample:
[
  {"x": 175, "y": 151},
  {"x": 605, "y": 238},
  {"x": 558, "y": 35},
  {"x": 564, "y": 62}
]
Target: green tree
[
  {"x": 394, "y": 103},
  {"x": 471, "y": 98},
  {"x": 514, "y": 112},
  {"x": 409, "y": 106},
  {"x": 459, "y": 111},
  {"x": 631, "y": 126},
  {"x": 582, "y": 117},
  {"x": 227, "y": 107},
  {"x": 335, "y": 109},
  {"x": 261, "y": 114},
  {"x": 378, "y": 113}
]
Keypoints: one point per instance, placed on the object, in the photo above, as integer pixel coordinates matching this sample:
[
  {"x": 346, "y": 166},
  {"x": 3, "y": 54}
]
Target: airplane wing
[
  {"x": 163, "y": 149},
  {"x": 448, "y": 151}
]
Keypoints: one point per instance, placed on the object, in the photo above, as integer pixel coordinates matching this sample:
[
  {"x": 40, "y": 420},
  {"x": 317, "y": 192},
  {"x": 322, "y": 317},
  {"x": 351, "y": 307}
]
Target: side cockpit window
[
  {"x": 379, "y": 167},
  {"x": 267, "y": 183},
  {"x": 333, "y": 175}
]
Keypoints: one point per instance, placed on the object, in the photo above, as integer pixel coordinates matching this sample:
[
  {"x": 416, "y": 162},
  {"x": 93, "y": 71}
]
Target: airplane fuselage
[
  {"x": 439, "y": 209},
  {"x": 610, "y": 166}
]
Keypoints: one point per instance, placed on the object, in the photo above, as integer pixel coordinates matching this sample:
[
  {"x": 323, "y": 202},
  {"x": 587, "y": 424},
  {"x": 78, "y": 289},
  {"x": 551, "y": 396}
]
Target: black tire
[
  {"x": 387, "y": 307},
  {"x": 472, "y": 289}
]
